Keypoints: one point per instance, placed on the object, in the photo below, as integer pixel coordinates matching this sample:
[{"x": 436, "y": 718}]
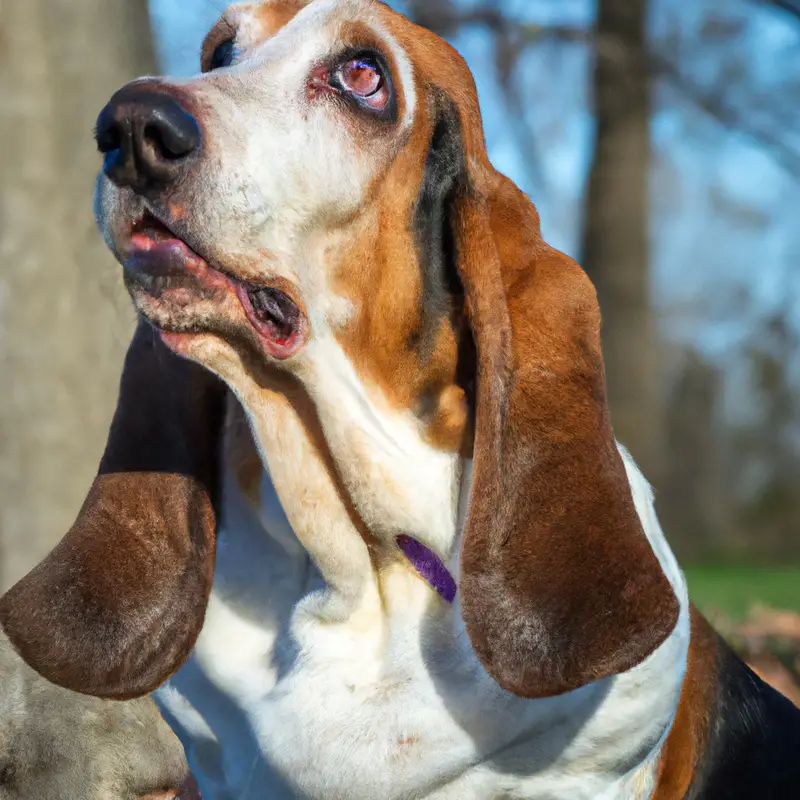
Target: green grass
[{"x": 735, "y": 590}]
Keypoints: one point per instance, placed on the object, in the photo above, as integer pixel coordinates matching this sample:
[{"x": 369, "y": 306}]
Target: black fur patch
[
  {"x": 753, "y": 746},
  {"x": 445, "y": 170}
]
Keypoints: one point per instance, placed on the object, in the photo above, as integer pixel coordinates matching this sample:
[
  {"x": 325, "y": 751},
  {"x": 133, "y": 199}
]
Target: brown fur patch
[
  {"x": 683, "y": 750},
  {"x": 450, "y": 425},
  {"x": 276, "y": 14},
  {"x": 381, "y": 276},
  {"x": 380, "y": 273}
]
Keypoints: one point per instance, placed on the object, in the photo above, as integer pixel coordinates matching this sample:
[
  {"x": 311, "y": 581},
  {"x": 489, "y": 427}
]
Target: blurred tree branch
[
  {"x": 513, "y": 37},
  {"x": 713, "y": 103},
  {"x": 792, "y": 6},
  {"x": 446, "y": 18}
]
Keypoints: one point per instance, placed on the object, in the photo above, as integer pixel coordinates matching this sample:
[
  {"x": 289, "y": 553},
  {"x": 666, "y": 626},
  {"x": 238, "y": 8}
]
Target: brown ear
[
  {"x": 559, "y": 585},
  {"x": 116, "y": 608}
]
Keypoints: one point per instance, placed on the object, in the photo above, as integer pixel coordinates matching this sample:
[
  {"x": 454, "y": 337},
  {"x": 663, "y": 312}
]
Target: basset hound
[{"x": 382, "y": 543}]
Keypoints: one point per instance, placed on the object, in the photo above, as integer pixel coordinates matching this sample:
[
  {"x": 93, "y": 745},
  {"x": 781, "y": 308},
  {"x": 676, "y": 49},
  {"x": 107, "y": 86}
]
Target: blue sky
[{"x": 725, "y": 231}]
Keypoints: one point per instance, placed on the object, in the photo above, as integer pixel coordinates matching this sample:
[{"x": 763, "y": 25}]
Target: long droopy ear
[
  {"x": 559, "y": 584},
  {"x": 116, "y": 607}
]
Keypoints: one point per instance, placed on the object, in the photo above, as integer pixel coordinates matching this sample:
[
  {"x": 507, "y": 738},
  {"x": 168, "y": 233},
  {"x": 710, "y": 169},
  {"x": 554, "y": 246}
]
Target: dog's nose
[{"x": 146, "y": 137}]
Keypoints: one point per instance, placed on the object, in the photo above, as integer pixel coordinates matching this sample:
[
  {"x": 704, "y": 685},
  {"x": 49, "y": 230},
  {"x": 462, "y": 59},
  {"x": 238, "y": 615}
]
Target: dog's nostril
[
  {"x": 108, "y": 133},
  {"x": 169, "y": 141},
  {"x": 109, "y": 139}
]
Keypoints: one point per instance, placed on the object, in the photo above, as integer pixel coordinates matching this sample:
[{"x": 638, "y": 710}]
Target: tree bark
[
  {"x": 615, "y": 239},
  {"x": 64, "y": 316}
]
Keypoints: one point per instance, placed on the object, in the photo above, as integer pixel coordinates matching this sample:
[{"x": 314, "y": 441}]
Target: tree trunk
[
  {"x": 615, "y": 240},
  {"x": 64, "y": 316}
]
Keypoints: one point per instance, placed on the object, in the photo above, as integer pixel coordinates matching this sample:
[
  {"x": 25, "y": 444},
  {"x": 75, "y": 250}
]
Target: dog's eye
[
  {"x": 362, "y": 77},
  {"x": 223, "y": 55}
]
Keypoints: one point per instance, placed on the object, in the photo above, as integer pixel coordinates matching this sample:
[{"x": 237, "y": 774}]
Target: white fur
[{"x": 402, "y": 484}]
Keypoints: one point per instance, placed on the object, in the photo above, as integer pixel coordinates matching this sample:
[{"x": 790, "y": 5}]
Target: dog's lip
[
  {"x": 157, "y": 251},
  {"x": 149, "y": 233}
]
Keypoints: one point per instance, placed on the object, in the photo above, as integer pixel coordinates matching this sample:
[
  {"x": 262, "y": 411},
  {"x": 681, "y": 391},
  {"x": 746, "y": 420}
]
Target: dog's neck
[{"x": 357, "y": 480}]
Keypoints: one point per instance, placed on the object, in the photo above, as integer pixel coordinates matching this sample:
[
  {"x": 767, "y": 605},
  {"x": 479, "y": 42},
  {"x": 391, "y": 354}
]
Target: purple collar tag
[{"x": 429, "y": 566}]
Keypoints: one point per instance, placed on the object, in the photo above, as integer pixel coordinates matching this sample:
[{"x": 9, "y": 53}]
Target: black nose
[{"x": 146, "y": 137}]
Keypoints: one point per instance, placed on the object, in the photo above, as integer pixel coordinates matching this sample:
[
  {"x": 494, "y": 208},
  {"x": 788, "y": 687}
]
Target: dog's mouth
[{"x": 160, "y": 264}]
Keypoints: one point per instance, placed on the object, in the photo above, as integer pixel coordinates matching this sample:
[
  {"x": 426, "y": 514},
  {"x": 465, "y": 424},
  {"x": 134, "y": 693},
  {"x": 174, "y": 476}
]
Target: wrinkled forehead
[{"x": 306, "y": 33}]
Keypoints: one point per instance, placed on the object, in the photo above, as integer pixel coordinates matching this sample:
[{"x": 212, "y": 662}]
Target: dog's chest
[{"x": 276, "y": 704}]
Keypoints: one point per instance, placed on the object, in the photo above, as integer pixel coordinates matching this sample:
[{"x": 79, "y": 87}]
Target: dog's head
[
  {"x": 297, "y": 192},
  {"x": 325, "y": 180}
]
